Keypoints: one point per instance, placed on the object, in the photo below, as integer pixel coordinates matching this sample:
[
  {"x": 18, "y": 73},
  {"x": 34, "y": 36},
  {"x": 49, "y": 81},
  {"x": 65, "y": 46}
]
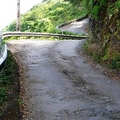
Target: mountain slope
[{"x": 46, "y": 16}]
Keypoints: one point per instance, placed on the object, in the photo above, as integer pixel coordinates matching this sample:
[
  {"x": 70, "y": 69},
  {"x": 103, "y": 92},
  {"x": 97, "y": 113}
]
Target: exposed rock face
[{"x": 106, "y": 33}]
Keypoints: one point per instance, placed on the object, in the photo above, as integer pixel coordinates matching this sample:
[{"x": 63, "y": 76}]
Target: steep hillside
[
  {"x": 46, "y": 16},
  {"x": 104, "y": 44}
]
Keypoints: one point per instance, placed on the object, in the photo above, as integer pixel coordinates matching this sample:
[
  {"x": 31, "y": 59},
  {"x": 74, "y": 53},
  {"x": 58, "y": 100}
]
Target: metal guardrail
[
  {"x": 3, "y": 53},
  {"x": 8, "y": 34}
]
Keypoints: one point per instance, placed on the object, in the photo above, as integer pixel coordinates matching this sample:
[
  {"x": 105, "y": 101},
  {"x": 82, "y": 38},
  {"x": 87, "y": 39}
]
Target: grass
[
  {"x": 9, "y": 90},
  {"x": 107, "y": 57},
  {"x": 5, "y": 77}
]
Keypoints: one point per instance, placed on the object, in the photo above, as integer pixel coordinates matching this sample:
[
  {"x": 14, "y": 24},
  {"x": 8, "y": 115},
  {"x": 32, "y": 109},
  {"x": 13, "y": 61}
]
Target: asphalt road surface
[
  {"x": 79, "y": 27},
  {"x": 59, "y": 84}
]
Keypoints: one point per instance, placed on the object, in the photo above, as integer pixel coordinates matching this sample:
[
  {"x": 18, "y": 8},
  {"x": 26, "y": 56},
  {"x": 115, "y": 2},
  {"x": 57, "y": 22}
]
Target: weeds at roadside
[
  {"x": 5, "y": 79},
  {"x": 9, "y": 90}
]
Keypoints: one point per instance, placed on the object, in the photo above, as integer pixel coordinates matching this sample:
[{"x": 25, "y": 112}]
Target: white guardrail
[
  {"x": 3, "y": 50},
  {"x": 3, "y": 54}
]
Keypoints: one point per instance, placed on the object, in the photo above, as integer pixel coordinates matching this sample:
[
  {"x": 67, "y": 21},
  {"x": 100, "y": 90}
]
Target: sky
[{"x": 8, "y": 10}]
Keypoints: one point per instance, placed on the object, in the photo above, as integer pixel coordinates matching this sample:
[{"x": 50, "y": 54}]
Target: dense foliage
[
  {"x": 104, "y": 45},
  {"x": 95, "y": 6},
  {"x": 46, "y": 16}
]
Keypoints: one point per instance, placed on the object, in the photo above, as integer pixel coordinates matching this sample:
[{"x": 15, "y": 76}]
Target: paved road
[
  {"x": 58, "y": 84},
  {"x": 79, "y": 27}
]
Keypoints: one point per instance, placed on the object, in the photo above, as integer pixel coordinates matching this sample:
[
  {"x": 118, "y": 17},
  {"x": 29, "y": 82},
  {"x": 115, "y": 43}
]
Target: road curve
[
  {"x": 79, "y": 27},
  {"x": 58, "y": 84}
]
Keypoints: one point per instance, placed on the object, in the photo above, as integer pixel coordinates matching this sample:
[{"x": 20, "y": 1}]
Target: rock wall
[{"x": 106, "y": 33}]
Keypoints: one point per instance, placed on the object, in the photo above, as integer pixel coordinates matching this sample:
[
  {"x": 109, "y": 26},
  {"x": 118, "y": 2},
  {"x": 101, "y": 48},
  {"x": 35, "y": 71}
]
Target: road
[
  {"x": 79, "y": 27},
  {"x": 59, "y": 84}
]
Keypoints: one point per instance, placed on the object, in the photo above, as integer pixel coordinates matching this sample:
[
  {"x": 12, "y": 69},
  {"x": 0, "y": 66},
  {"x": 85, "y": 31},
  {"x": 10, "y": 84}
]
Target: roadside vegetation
[
  {"x": 104, "y": 44},
  {"x": 9, "y": 90},
  {"x": 5, "y": 77}
]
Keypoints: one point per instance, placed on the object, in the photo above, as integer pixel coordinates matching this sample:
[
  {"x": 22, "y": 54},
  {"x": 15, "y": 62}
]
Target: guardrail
[
  {"x": 3, "y": 53},
  {"x": 7, "y": 34}
]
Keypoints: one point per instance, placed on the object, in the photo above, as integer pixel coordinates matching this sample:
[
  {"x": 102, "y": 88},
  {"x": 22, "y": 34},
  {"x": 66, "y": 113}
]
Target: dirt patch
[{"x": 11, "y": 110}]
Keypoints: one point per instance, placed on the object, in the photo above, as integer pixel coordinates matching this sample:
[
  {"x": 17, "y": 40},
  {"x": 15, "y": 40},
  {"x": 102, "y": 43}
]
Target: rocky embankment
[{"x": 106, "y": 34}]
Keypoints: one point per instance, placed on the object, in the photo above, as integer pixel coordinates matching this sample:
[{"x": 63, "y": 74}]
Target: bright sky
[{"x": 8, "y": 10}]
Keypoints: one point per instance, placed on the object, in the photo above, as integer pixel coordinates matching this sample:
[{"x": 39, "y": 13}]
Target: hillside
[
  {"x": 104, "y": 44},
  {"x": 46, "y": 16}
]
